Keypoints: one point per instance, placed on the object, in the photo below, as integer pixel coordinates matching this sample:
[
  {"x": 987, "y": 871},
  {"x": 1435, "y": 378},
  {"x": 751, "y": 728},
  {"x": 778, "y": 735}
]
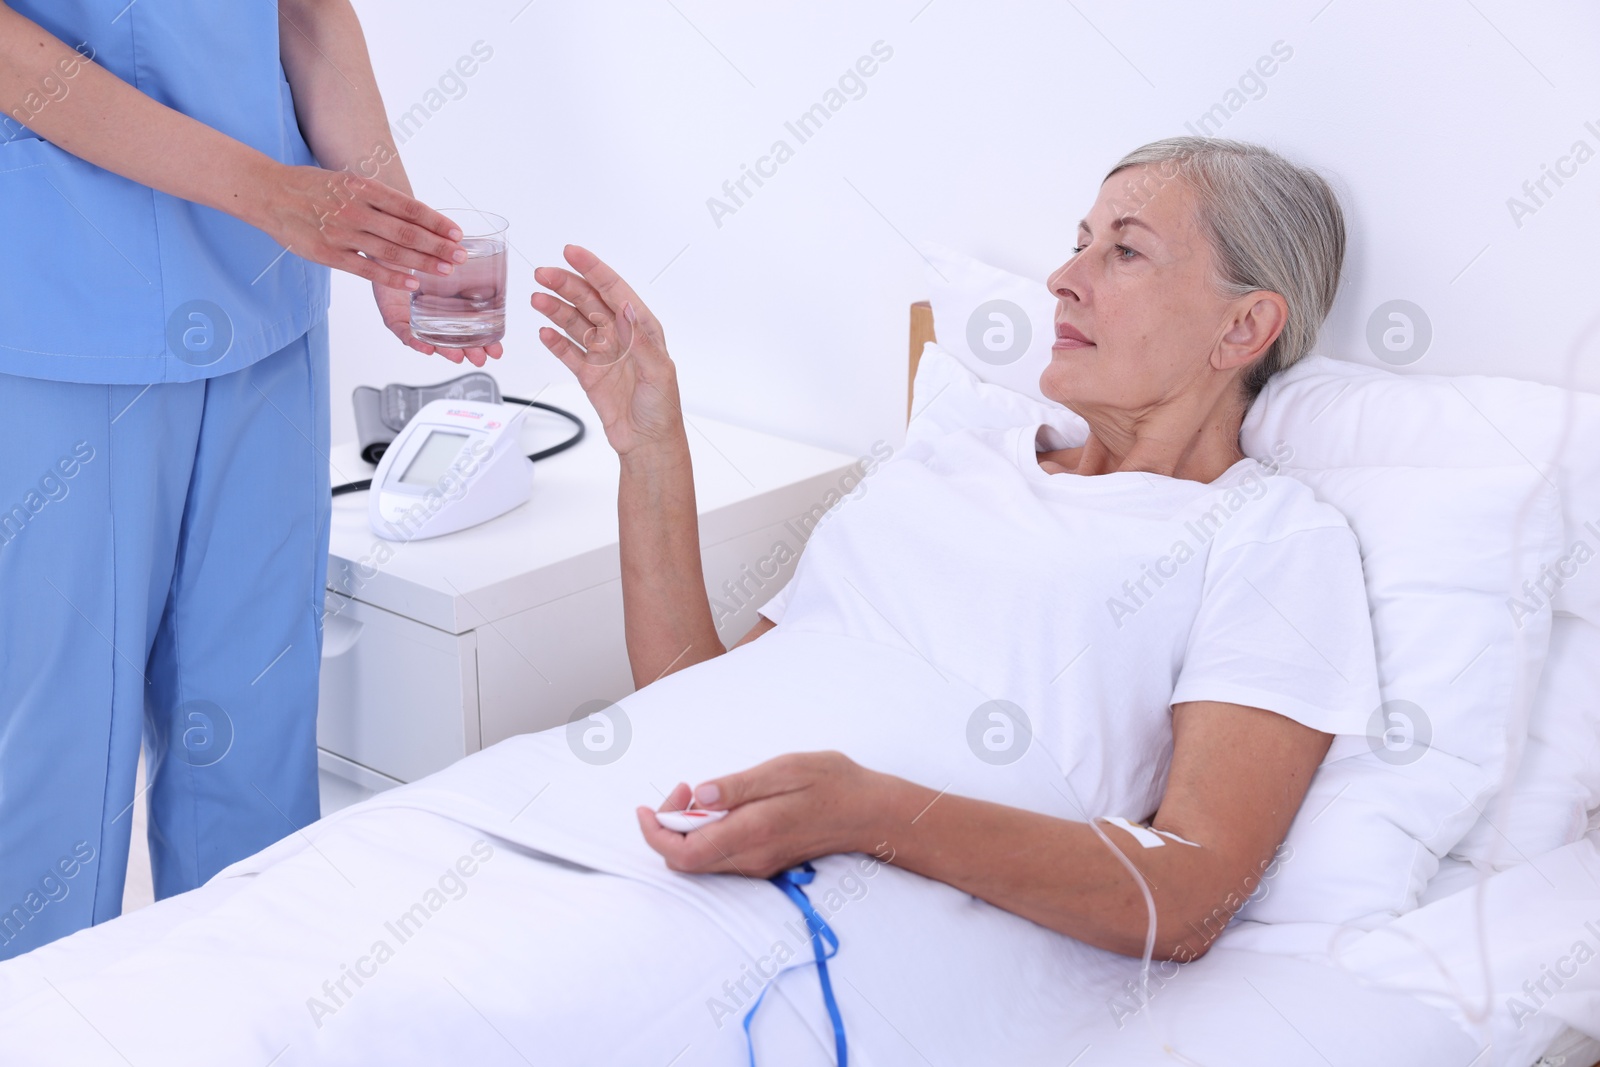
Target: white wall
[{"x": 611, "y": 123}]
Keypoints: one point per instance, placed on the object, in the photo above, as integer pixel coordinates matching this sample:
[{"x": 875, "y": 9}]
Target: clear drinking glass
[{"x": 467, "y": 307}]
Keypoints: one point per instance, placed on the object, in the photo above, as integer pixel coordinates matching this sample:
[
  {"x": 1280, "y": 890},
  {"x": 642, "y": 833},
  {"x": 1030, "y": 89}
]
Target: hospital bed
[{"x": 1434, "y": 985}]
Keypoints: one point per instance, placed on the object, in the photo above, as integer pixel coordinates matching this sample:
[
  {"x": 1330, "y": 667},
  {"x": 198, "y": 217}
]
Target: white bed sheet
[{"x": 538, "y": 961}]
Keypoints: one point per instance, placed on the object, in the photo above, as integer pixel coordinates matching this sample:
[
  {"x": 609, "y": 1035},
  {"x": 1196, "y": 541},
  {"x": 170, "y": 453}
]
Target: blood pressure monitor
[{"x": 457, "y": 463}]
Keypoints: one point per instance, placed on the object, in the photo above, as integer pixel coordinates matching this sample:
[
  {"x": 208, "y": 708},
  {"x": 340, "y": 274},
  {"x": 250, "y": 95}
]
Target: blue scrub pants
[{"x": 163, "y": 553}]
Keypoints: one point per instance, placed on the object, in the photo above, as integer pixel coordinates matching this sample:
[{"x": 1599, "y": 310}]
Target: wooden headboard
[{"x": 921, "y": 334}]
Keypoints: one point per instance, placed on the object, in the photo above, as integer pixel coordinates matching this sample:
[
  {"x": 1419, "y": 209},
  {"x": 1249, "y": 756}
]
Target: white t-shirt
[{"x": 1095, "y": 603}]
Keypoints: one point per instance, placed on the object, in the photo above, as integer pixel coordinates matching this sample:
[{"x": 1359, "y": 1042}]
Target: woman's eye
[{"x": 1122, "y": 250}]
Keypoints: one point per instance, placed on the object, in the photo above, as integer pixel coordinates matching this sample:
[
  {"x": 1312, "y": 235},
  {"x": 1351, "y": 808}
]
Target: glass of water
[{"x": 467, "y": 307}]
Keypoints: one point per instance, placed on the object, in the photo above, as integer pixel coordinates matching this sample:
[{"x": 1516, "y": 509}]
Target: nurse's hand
[
  {"x": 359, "y": 225},
  {"x": 780, "y": 813},
  {"x": 372, "y": 230},
  {"x": 615, "y": 346}
]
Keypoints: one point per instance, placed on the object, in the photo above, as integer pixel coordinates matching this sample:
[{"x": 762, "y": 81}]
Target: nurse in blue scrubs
[{"x": 176, "y": 178}]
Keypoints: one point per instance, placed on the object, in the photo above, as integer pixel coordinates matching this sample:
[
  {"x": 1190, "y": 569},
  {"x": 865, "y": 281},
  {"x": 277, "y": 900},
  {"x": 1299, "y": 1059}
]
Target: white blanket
[{"x": 525, "y": 960}]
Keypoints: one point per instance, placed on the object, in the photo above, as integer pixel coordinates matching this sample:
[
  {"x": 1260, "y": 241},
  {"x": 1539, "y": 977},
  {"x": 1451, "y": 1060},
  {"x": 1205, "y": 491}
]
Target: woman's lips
[{"x": 1068, "y": 337}]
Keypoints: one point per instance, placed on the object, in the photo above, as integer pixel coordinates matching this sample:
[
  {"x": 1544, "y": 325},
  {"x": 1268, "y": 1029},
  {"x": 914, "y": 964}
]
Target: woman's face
[{"x": 1138, "y": 314}]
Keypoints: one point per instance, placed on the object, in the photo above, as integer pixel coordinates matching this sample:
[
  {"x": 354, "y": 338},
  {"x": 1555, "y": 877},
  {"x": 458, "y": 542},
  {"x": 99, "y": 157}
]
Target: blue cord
[{"x": 790, "y": 882}]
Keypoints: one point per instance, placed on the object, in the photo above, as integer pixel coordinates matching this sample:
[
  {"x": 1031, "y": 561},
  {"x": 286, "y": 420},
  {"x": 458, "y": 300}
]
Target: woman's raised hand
[{"x": 615, "y": 346}]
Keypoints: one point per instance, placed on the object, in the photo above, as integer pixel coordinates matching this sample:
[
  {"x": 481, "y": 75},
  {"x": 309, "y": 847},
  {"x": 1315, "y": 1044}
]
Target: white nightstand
[{"x": 435, "y": 649}]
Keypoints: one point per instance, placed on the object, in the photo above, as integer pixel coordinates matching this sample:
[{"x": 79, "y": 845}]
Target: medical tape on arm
[{"x": 1147, "y": 836}]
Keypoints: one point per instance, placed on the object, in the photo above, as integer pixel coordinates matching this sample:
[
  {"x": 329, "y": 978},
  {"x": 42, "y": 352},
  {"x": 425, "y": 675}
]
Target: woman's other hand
[
  {"x": 615, "y": 347},
  {"x": 781, "y": 813}
]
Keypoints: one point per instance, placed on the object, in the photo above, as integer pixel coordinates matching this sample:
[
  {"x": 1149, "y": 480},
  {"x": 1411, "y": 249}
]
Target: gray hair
[{"x": 1272, "y": 225}]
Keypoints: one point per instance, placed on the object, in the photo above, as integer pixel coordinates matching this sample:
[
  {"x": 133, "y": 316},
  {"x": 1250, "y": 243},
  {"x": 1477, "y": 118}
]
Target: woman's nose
[{"x": 1066, "y": 282}]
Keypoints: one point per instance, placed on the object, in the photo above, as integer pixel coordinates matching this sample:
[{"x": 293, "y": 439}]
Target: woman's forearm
[
  {"x": 336, "y": 94},
  {"x": 1055, "y": 872},
  {"x": 606, "y": 336},
  {"x": 667, "y": 617},
  {"x": 100, "y": 118}
]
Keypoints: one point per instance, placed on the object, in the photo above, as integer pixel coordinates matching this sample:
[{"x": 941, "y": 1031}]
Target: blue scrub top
[{"x": 108, "y": 281}]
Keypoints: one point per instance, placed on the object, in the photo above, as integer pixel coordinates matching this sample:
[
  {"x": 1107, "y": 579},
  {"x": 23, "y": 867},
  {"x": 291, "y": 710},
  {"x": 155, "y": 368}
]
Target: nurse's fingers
[
  {"x": 380, "y": 247},
  {"x": 403, "y": 242},
  {"x": 408, "y": 209},
  {"x": 400, "y": 325},
  {"x": 384, "y": 223},
  {"x": 475, "y": 356},
  {"x": 394, "y": 307},
  {"x": 370, "y": 269},
  {"x": 329, "y": 217}
]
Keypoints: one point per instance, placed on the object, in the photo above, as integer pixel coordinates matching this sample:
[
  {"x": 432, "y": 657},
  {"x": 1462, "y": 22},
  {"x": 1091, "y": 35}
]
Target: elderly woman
[
  {"x": 1047, "y": 697},
  {"x": 1204, "y": 268}
]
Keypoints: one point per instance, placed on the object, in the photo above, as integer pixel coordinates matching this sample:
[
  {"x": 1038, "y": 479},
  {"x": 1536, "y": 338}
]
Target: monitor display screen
[{"x": 433, "y": 458}]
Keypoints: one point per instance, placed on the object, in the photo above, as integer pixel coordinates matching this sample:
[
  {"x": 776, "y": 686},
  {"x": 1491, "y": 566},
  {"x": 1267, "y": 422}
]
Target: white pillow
[
  {"x": 1469, "y": 421},
  {"x": 997, "y": 324},
  {"x": 1438, "y": 547},
  {"x": 947, "y": 398},
  {"x": 1380, "y": 417}
]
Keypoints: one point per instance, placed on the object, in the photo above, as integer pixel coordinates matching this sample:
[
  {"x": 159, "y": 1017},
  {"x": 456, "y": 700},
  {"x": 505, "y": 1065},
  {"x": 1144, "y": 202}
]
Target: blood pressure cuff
[{"x": 382, "y": 413}]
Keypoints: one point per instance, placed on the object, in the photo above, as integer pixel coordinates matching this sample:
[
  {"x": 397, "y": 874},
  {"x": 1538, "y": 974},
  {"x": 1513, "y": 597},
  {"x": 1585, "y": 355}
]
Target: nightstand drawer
[
  {"x": 396, "y": 695},
  {"x": 536, "y": 667}
]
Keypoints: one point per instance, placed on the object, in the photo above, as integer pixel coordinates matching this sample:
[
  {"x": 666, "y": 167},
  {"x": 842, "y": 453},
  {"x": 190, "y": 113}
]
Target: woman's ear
[{"x": 1258, "y": 319}]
